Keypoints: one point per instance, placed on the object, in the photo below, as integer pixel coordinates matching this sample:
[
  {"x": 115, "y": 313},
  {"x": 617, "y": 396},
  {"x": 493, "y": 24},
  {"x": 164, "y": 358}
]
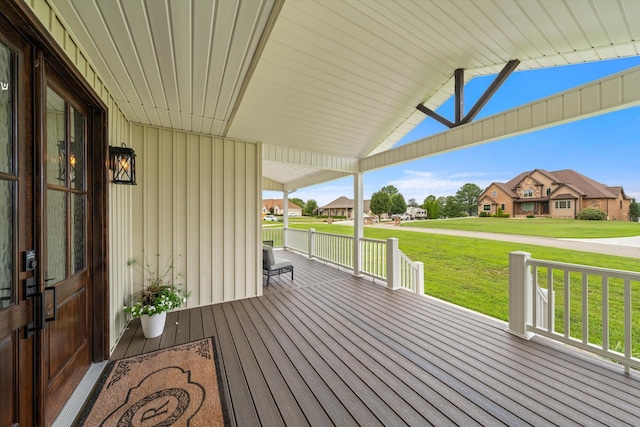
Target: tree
[
  {"x": 452, "y": 208},
  {"x": 380, "y": 203},
  {"x": 467, "y": 197},
  {"x": 310, "y": 207},
  {"x": 442, "y": 203},
  {"x": 390, "y": 190},
  {"x": 398, "y": 205},
  {"x": 430, "y": 205},
  {"x": 634, "y": 211},
  {"x": 298, "y": 202},
  {"x": 412, "y": 203}
]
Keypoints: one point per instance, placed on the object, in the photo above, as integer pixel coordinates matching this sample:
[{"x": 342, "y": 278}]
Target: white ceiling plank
[
  {"x": 138, "y": 22},
  {"x": 181, "y": 15},
  {"x": 249, "y": 25},
  {"x": 225, "y": 17},
  {"x": 203, "y": 27},
  {"x": 161, "y": 31}
]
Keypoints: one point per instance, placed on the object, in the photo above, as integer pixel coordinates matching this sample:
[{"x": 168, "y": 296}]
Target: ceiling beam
[
  {"x": 602, "y": 96},
  {"x": 493, "y": 87},
  {"x": 319, "y": 178},
  {"x": 459, "y": 117},
  {"x": 294, "y": 156}
]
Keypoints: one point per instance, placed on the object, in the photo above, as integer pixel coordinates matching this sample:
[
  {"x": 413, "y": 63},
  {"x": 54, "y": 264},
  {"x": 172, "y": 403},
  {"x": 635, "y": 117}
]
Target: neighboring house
[
  {"x": 559, "y": 194},
  {"x": 342, "y": 206},
  {"x": 278, "y": 207}
]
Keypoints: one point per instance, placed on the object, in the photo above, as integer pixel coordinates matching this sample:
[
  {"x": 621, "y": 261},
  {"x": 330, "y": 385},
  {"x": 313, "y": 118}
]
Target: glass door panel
[
  {"x": 56, "y": 144},
  {"x": 77, "y": 150},
  {"x": 7, "y": 244},
  {"x": 7, "y": 181},
  {"x": 78, "y": 233}
]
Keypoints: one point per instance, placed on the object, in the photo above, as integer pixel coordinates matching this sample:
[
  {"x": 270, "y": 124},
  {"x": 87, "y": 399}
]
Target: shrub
[
  {"x": 484, "y": 215},
  {"x": 592, "y": 214},
  {"x": 531, "y": 216},
  {"x": 505, "y": 215}
]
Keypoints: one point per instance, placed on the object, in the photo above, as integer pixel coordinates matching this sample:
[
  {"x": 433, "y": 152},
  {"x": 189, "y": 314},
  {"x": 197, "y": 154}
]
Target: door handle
[
  {"x": 55, "y": 304},
  {"x": 38, "y": 315}
]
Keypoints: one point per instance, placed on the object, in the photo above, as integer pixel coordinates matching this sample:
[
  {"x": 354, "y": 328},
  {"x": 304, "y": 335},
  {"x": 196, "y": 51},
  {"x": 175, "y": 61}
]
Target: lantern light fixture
[{"x": 123, "y": 164}]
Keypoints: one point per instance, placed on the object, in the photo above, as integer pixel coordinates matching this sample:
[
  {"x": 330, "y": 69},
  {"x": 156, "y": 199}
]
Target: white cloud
[{"x": 418, "y": 184}]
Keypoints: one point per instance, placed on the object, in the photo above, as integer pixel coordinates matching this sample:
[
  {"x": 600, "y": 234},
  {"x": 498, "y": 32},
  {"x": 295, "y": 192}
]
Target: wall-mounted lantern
[{"x": 123, "y": 164}]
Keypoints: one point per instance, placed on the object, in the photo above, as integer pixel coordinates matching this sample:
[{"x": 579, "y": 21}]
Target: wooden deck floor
[{"x": 331, "y": 349}]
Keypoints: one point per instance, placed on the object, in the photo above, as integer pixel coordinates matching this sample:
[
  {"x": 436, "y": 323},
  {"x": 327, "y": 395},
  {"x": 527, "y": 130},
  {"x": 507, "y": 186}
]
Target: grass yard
[
  {"x": 474, "y": 273},
  {"x": 543, "y": 227}
]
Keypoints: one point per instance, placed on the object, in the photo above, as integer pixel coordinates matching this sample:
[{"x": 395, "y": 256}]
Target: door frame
[{"x": 47, "y": 50}]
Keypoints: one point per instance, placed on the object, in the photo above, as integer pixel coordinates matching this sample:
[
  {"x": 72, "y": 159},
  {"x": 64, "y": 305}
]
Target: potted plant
[{"x": 159, "y": 294}]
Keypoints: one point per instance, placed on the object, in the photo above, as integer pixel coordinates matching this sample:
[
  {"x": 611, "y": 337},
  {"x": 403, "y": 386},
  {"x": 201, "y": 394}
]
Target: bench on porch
[{"x": 272, "y": 265}]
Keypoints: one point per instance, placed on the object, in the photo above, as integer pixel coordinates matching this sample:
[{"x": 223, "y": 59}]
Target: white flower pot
[{"x": 152, "y": 326}]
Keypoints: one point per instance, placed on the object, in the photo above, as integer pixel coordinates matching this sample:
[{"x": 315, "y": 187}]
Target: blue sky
[{"x": 605, "y": 148}]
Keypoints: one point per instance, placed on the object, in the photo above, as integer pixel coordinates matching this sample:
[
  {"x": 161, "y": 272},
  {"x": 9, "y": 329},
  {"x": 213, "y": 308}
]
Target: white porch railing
[
  {"x": 273, "y": 235},
  {"x": 380, "y": 259},
  {"x": 580, "y": 290}
]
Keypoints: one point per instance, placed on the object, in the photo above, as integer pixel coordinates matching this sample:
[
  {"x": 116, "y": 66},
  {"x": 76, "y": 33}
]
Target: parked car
[
  {"x": 270, "y": 218},
  {"x": 293, "y": 213}
]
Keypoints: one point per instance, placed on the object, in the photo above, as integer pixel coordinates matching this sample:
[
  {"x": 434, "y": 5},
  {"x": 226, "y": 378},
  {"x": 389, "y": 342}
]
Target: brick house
[
  {"x": 559, "y": 194},
  {"x": 278, "y": 207}
]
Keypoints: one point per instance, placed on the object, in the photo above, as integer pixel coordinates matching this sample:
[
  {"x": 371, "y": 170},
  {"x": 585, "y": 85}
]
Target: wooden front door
[
  {"x": 18, "y": 273},
  {"x": 67, "y": 335},
  {"x": 53, "y": 290}
]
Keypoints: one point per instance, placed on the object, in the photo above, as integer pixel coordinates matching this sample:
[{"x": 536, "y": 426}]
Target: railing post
[
  {"x": 420, "y": 279},
  {"x": 519, "y": 294},
  {"x": 393, "y": 264},
  {"x": 312, "y": 240},
  {"x": 284, "y": 237}
]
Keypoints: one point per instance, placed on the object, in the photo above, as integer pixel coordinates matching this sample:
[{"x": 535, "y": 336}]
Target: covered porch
[{"x": 332, "y": 349}]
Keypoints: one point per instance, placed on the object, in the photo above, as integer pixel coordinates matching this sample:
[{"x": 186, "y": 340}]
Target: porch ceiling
[{"x": 332, "y": 78}]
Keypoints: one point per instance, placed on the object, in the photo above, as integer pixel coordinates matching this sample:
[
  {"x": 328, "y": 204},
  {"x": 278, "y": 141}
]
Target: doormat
[{"x": 176, "y": 386}]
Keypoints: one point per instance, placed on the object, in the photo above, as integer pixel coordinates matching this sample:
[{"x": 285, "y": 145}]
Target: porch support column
[
  {"x": 519, "y": 294},
  {"x": 358, "y": 209},
  {"x": 285, "y": 217}
]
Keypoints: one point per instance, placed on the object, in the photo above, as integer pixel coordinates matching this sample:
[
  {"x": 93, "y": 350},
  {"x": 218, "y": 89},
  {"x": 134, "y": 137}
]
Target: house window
[
  {"x": 563, "y": 204},
  {"x": 494, "y": 193},
  {"x": 527, "y": 193},
  {"x": 620, "y": 204},
  {"x": 502, "y": 206},
  {"x": 548, "y": 191},
  {"x": 527, "y": 206},
  {"x": 486, "y": 207}
]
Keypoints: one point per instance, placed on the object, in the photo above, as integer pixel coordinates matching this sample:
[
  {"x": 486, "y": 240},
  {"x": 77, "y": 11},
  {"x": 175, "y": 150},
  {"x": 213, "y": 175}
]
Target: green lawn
[
  {"x": 474, "y": 273},
  {"x": 544, "y": 227}
]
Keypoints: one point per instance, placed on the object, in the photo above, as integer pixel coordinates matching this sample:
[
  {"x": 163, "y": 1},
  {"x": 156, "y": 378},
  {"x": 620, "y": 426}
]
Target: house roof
[
  {"x": 324, "y": 84},
  {"x": 272, "y": 203},
  {"x": 587, "y": 186},
  {"x": 566, "y": 178},
  {"x": 563, "y": 196},
  {"x": 344, "y": 202}
]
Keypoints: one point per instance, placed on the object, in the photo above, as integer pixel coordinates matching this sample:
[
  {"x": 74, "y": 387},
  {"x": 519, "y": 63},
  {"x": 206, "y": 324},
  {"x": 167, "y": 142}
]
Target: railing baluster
[
  {"x": 605, "y": 313},
  {"x": 550, "y": 302},
  {"x": 567, "y": 304},
  {"x": 627, "y": 322},
  {"x": 585, "y": 308}
]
